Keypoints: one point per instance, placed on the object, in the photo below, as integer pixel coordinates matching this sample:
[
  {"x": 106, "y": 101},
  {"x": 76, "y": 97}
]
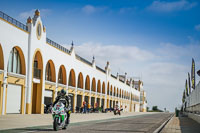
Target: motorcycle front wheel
[
  {"x": 115, "y": 113},
  {"x": 55, "y": 124}
]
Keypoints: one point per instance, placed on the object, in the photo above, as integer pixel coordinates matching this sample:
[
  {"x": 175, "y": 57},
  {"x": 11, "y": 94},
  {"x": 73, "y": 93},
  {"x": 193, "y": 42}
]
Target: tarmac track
[{"x": 133, "y": 124}]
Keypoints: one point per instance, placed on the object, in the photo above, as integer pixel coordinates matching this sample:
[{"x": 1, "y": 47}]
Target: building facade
[{"x": 34, "y": 68}]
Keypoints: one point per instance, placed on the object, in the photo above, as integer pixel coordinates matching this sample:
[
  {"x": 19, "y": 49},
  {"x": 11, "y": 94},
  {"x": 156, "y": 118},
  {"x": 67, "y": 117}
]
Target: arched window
[
  {"x": 103, "y": 88},
  {"x": 72, "y": 79},
  {"x": 1, "y": 58},
  {"x": 48, "y": 75},
  {"x": 99, "y": 86},
  {"x": 14, "y": 63},
  {"x": 80, "y": 80},
  {"x": 111, "y": 90},
  {"x": 94, "y": 85},
  {"x": 87, "y": 83},
  {"x": 60, "y": 76},
  {"x": 108, "y": 88}
]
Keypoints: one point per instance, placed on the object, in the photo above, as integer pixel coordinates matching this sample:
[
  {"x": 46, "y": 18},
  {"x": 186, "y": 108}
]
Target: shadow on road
[
  {"x": 188, "y": 125},
  {"x": 35, "y": 129},
  {"x": 120, "y": 131}
]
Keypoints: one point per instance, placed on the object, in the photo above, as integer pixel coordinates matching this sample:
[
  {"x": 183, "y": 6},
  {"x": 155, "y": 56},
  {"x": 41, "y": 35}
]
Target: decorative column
[{"x": 5, "y": 85}]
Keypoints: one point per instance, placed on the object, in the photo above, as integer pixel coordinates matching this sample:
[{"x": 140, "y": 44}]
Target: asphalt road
[{"x": 134, "y": 124}]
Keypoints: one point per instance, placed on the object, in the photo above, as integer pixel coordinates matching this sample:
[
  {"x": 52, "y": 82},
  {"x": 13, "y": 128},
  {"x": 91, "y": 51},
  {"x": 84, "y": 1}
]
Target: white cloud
[
  {"x": 163, "y": 76},
  {"x": 164, "y": 83},
  {"x": 164, "y": 6},
  {"x": 127, "y": 10},
  {"x": 89, "y": 9},
  {"x": 26, "y": 14},
  {"x": 197, "y": 27},
  {"x": 114, "y": 53}
]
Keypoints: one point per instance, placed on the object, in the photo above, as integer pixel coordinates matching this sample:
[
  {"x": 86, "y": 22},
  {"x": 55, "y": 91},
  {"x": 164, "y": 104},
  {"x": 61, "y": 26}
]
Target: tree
[{"x": 155, "y": 108}]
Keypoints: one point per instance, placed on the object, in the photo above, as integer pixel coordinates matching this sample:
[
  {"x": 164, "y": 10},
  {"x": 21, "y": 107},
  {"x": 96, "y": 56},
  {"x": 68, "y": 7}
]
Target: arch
[
  {"x": 103, "y": 88},
  {"x": 1, "y": 58},
  {"x": 114, "y": 91},
  {"x": 108, "y": 88},
  {"x": 94, "y": 84},
  {"x": 50, "y": 73},
  {"x": 87, "y": 83},
  {"x": 99, "y": 86},
  {"x": 37, "y": 87},
  {"x": 80, "y": 80},
  {"x": 117, "y": 92},
  {"x": 111, "y": 90},
  {"x": 62, "y": 78},
  {"x": 72, "y": 78},
  {"x": 16, "y": 62}
]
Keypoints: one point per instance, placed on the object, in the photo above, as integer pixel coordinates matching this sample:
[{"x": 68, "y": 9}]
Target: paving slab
[{"x": 181, "y": 125}]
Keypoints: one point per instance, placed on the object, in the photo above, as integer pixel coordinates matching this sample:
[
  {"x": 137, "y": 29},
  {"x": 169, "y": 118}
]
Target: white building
[{"x": 33, "y": 68}]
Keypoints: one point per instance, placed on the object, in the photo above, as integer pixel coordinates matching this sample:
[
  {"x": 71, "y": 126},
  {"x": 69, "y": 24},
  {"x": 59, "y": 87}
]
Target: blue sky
[{"x": 153, "y": 39}]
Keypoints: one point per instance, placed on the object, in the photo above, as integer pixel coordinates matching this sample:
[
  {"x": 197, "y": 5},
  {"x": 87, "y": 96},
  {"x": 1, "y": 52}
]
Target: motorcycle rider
[{"x": 66, "y": 100}]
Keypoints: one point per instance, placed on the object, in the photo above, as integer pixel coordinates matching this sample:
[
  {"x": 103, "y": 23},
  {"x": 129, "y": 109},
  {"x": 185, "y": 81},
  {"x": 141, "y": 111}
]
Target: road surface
[{"x": 134, "y": 124}]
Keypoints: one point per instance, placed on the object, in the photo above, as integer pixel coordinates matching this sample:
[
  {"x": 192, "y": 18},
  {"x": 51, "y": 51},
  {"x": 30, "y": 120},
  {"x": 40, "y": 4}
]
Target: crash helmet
[{"x": 62, "y": 92}]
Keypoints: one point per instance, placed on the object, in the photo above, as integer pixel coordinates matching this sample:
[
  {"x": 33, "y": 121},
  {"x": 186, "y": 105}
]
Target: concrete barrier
[{"x": 195, "y": 117}]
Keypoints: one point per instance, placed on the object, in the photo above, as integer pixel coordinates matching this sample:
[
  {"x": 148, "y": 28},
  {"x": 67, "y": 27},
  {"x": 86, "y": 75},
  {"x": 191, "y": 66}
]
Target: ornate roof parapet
[
  {"x": 29, "y": 23},
  {"x": 36, "y": 16},
  {"x": 29, "y": 20},
  {"x": 117, "y": 76},
  {"x": 125, "y": 77},
  {"x": 44, "y": 28},
  {"x": 72, "y": 47},
  {"x": 93, "y": 62},
  {"x": 37, "y": 12},
  {"x": 107, "y": 68},
  {"x": 131, "y": 81},
  {"x": 72, "y": 52}
]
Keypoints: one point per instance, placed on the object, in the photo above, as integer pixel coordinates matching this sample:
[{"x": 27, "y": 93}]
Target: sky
[{"x": 151, "y": 39}]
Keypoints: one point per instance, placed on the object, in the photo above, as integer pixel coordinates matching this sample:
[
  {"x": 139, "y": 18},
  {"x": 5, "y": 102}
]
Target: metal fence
[
  {"x": 13, "y": 21},
  {"x": 57, "y": 45},
  {"x": 100, "y": 69},
  {"x": 84, "y": 60},
  {"x": 192, "y": 102},
  {"x": 113, "y": 76}
]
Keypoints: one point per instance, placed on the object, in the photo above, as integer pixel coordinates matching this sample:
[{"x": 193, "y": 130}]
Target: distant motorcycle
[
  {"x": 59, "y": 116},
  {"x": 47, "y": 108},
  {"x": 117, "y": 111}
]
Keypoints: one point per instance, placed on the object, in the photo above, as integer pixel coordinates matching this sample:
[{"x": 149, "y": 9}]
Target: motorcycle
[
  {"x": 117, "y": 111},
  {"x": 59, "y": 116},
  {"x": 47, "y": 108}
]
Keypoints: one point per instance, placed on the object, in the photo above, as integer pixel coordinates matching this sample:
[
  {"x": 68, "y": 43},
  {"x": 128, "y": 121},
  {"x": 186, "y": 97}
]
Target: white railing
[
  {"x": 16, "y": 75},
  {"x": 61, "y": 85},
  {"x": 1, "y": 71},
  {"x": 50, "y": 82}
]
